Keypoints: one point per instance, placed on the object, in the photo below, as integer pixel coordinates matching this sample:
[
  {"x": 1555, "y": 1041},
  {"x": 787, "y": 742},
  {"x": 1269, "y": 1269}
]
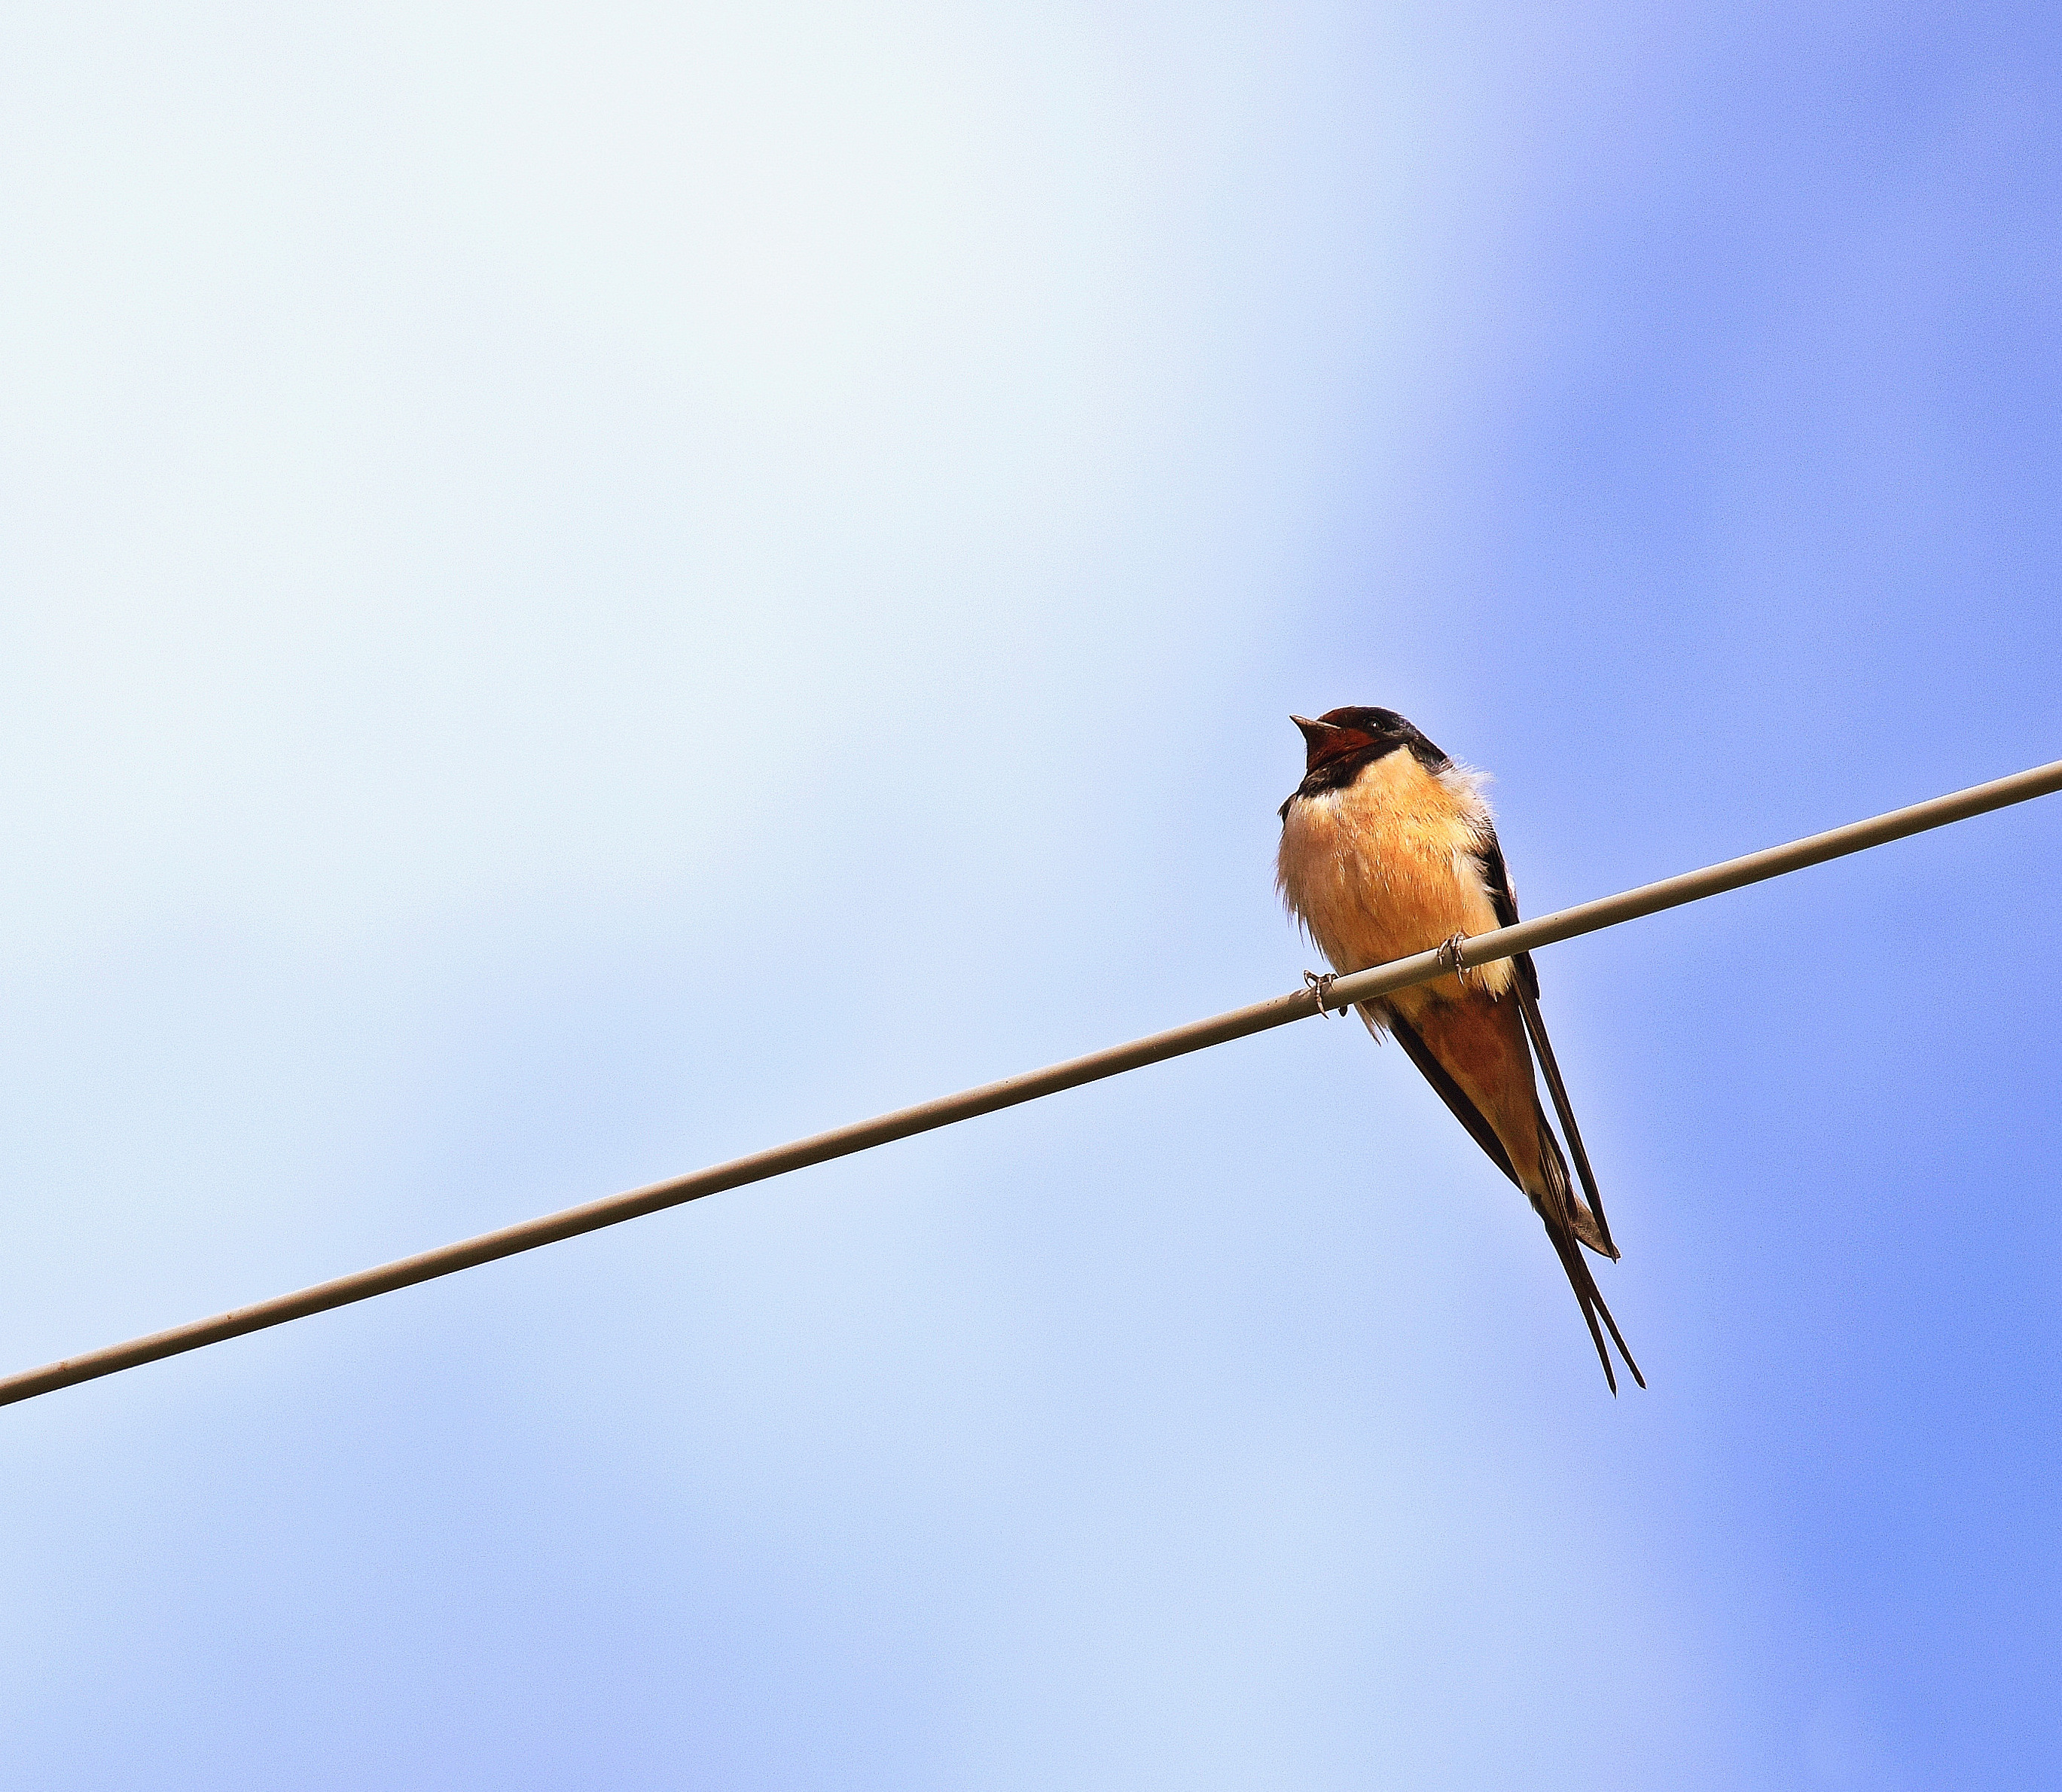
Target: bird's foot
[
  {"x": 1451, "y": 954},
  {"x": 1321, "y": 988}
]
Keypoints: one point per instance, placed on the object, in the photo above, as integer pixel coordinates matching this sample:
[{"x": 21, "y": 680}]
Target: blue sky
[{"x": 588, "y": 590}]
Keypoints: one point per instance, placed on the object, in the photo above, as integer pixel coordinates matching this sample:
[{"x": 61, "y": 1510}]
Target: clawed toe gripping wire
[
  {"x": 1322, "y": 986},
  {"x": 1450, "y": 955}
]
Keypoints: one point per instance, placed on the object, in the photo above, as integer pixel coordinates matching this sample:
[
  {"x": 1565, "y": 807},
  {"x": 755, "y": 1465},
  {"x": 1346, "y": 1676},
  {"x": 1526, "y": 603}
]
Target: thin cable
[{"x": 1337, "y": 993}]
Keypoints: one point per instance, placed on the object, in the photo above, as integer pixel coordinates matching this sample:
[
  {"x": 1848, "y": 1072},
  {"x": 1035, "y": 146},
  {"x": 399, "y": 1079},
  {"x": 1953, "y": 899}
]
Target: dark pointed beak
[{"x": 1314, "y": 732}]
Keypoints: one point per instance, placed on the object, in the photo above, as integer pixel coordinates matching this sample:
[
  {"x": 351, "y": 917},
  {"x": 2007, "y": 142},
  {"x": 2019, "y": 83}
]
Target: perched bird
[{"x": 1387, "y": 849}]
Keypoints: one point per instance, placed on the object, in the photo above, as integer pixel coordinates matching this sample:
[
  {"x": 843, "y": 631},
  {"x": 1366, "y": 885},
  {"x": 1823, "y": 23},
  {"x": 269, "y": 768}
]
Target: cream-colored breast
[{"x": 1387, "y": 867}]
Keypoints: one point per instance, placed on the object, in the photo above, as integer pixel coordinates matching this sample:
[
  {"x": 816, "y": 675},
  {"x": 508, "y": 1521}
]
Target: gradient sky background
[{"x": 590, "y": 589}]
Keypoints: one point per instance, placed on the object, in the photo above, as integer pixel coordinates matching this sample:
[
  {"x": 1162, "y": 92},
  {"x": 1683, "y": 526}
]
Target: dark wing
[
  {"x": 1450, "y": 1092},
  {"x": 1489, "y": 854}
]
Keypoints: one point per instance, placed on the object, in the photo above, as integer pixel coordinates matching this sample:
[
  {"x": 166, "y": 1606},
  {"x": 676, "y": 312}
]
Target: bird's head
[{"x": 1338, "y": 732}]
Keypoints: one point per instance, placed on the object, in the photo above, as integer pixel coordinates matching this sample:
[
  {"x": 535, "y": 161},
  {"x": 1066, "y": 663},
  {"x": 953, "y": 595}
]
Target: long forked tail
[{"x": 1591, "y": 1302}]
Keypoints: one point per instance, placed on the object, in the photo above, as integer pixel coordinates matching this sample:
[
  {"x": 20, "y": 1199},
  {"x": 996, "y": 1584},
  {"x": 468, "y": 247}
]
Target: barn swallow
[{"x": 1388, "y": 849}]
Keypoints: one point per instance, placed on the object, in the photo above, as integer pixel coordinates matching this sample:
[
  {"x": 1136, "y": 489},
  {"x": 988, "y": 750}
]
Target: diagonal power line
[{"x": 1330, "y": 994}]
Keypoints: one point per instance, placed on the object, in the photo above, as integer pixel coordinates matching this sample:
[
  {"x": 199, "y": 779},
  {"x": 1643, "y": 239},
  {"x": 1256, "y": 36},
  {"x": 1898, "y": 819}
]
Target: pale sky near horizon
[{"x": 583, "y": 591}]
